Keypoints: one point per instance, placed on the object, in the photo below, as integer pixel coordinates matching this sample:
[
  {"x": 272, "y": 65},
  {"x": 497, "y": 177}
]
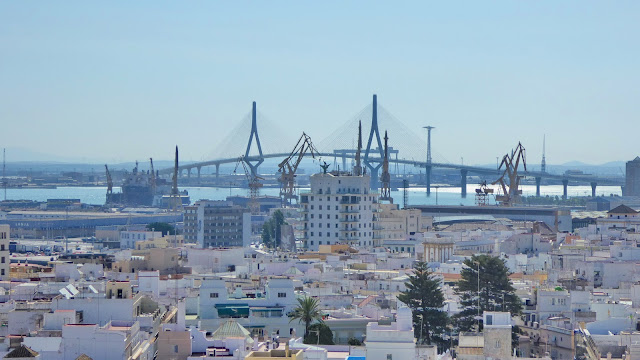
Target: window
[
  {"x": 282, "y": 294},
  {"x": 175, "y": 348},
  {"x": 2, "y": 260},
  {"x": 213, "y": 295},
  {"x": 497, "y": 344},
  {"x": 489, "y": 320}
]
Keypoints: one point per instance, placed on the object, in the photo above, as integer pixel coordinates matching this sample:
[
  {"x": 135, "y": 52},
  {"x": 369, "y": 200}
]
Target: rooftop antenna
[
  {"x": 543, "y": 165},
  {"x": 357, "y": 170}
]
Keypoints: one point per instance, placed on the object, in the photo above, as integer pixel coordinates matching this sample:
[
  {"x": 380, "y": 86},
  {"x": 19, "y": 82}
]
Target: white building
[
  {"x": 262, "y": 313},
  {"x": 392, "y": 340},
  {"x": 115, "y": 340},
  {"x": 339, "y": 209},
  {"x": 128, "y": 239}
]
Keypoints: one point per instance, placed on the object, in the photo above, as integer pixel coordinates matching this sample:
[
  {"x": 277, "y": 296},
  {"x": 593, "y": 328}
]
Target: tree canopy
[
  {"x": 496, "y": 291},
  {"x": 425, "y": 298},
  {"x": 271, "y": 235},
  {"x": 307, "y": 311},
  {"x": 326, "y": 335}
]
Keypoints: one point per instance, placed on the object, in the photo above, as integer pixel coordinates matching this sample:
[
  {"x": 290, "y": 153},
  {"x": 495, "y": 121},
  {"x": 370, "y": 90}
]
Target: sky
[{"x": 118, "y": 81}]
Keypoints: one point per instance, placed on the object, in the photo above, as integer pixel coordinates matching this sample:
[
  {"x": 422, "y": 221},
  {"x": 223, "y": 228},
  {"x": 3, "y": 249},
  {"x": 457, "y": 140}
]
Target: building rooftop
[
  {"x": 21, "y": 352},
  {"x": 622, "y": 209}
]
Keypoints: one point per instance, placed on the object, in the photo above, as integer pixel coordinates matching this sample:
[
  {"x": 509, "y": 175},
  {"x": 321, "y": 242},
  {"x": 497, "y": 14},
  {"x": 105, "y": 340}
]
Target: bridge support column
[
  {"x": 427, "y": 173},
  {"x": 565, "y": 184},
  {"x": 375, "y": 179},
  {"x": 189, "y": 172},
  {"x": 344, "y": 163},
  {"x": 463, "y": 183},
  {"x": 217, "y": 171},
  {"x": 593, "y": 189},
  {"x": 538, "y": 182}
]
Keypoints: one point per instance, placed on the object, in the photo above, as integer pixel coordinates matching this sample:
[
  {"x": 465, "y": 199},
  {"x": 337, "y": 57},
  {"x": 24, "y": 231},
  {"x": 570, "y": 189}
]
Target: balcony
[
  {"x": 346, "y": 211},
  {"x": 349, "y": 239}
]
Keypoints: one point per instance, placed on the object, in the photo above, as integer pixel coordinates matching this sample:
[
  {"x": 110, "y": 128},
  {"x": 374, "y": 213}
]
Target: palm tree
[{"x": 307, "y": 311}]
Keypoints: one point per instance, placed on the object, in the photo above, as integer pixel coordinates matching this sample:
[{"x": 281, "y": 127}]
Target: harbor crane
[
  {"x": 152, "y": 178},
  {"x": 176, "y": 200},
  {"x": 511, "y": 193},
  {"x": 385, "y": 178},
  {"x": 109, "y": 181},
  {"x": 288, "y": 167},
  {"x": 254, "y": 185}
]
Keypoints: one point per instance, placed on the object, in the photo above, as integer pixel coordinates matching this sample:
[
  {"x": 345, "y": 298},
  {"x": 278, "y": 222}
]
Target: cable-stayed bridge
[{"x": 256, "y": 138}]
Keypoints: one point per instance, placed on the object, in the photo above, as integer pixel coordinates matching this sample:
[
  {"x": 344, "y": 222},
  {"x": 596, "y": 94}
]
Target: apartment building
[
  {"x": 339, "y": 209},
  {"x": 217, "y": 224}
]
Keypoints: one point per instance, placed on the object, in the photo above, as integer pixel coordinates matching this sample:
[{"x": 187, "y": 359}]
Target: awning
[{"x": 234, "y": 311}]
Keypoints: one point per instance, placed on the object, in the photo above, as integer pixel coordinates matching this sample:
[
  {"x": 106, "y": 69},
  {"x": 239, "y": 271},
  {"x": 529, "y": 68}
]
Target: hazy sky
[{"x": 119, "y": 81}]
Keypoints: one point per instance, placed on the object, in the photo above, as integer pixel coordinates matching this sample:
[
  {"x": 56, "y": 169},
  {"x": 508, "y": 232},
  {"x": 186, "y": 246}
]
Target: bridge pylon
[
  {"x": 373, "y": 166},
  {"x": 253, "y": 164}
]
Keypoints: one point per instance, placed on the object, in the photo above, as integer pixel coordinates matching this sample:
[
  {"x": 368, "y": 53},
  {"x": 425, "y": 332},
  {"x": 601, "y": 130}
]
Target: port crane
[
  {"x": 109, "y": 181},
  {"x": 385, "y": 178},
  {"x": 176, "y": 200},
  {"x": 152, "y": 178},
  {"x": 253, "y": 183},
  {"x": 288, "y": 167},
  {"x": 511, "y": 193}
]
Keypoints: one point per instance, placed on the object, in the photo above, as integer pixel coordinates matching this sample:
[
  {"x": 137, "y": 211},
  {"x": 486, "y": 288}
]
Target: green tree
[
  {"x": 266, "y": 233},
  {"x": 496, "y": 293},
  {"x": 354, "y": 342},
  {"x": 307, "y": 311},
  {"x": 326, "y": 335},
  {"x": 425, "y": 298},
  {"x": 271, "y": 229},
  {"x": 165, "y": 228}
]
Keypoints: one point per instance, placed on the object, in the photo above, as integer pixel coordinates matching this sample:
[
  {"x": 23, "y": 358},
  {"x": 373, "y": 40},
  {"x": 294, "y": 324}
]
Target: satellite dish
[{"x": 92, "y": 289}]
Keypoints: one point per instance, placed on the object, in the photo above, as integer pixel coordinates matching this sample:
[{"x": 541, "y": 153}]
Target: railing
[{"x": 352, "y": 238}]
